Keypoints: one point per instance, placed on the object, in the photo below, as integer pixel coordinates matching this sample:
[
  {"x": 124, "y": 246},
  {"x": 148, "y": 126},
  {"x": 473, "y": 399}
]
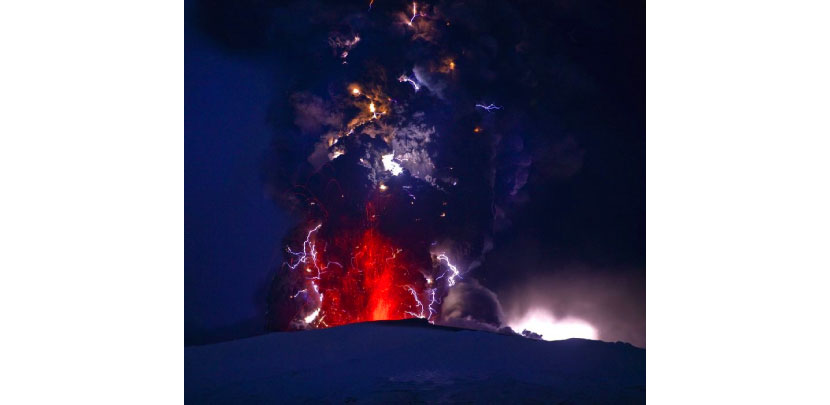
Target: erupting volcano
[
  {"x": 392, "y": 173},
  {"x": 400, "y": 153},
  {"x": 348, "y": 270},
  {"x": 450, "y": 204},
  {"x": 443, "y": 185},
  {"x": 376, "y": 283}
]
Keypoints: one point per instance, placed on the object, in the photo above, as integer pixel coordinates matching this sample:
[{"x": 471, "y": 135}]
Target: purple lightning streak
[
  {"x": 432, "y": 302},
  {"x": 490, "y": 107},
  {"x": 453, "y": 270},
  {"x": 309, "y": 253},
  {"x": 407, "y": 188},
  {"x": 414, "y": 13},
  {"x": 417, "y": 302},
  {"x": 303, "y": 291},
  {"x": 310, "y": 317}
]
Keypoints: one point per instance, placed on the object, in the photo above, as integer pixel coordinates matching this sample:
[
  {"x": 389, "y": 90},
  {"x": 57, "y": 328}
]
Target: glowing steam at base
[{"x": 541, "y": 321}]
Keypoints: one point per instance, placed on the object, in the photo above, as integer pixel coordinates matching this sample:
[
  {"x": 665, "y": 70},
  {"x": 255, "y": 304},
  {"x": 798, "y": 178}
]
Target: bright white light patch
[
  {"x": 390, "y": 165},
  {"x": 543, "y": 322},
  {"x": 310, "y": 318}
]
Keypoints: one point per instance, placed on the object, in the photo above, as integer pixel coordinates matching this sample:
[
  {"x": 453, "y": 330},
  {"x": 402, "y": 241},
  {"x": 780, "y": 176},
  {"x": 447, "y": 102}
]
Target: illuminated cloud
[
  {"x": 469, "y": 304},
  {"x": 390, "y": 165}
]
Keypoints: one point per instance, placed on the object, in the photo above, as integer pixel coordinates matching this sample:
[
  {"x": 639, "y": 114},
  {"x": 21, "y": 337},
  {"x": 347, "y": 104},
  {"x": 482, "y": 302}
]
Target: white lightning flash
[
  {"x": 310, "y": 318},
  {"x": 303, "y": 291},
  {"x": 414, "y": 13},
  {"x": 453, "y": 270},
  {"x": 432, "y": 302},
  {"x": 390, "y": 165},
  {"x": 309, "y": 256},
  {"x": 490, "y": 107},
  {"x": 413, "y": 82},
  {"x": 417, "y": 302}
]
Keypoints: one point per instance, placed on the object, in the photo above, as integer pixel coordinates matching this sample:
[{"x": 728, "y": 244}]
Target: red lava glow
[
  {"x": 370, "y": 285},
  {"x": 375, "y": 261}
]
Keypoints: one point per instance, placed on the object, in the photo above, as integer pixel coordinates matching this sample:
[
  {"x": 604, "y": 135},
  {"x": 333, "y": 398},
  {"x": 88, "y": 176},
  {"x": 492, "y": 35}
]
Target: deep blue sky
[{"x": 231, "y": 229}]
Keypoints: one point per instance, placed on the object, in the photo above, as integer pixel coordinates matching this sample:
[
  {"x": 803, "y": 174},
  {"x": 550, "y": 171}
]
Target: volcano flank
[{"x": 412, "y": 361}]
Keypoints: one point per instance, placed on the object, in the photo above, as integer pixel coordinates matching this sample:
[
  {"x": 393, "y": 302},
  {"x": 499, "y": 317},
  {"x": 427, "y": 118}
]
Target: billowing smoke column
[{"x": 394, "y": 165}]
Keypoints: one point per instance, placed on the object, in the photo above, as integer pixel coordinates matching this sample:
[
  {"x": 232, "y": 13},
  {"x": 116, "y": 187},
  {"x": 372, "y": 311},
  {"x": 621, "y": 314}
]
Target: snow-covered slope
[{"x": 412, "y": 362}]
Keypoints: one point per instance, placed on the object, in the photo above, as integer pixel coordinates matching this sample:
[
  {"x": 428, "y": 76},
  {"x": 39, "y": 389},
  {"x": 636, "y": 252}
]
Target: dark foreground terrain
[{"x": 412, "y": 362}]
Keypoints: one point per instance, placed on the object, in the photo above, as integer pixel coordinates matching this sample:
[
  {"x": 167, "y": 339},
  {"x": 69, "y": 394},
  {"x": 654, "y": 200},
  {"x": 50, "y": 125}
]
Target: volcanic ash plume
[{"x": 389, "y": 161}]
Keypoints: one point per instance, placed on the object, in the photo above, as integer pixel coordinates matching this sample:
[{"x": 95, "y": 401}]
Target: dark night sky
[{"x": 576, "y": 242}]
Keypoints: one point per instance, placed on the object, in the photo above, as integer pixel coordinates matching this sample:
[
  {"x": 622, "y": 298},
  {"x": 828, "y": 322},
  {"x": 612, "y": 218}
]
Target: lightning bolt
[
  {"x": 414, "y": 13},
  {"x": 490, "y": 107},
  {"x": 432, "y": 302},
  {"x": 453, "y": 270},
  {"x": 417, "y": 302},
  {"x": 405, "y": 78},
  {"x": 303, "y": 291},
  {"x": 309, "y": 256},
  {"x": 310, "y": 318}
]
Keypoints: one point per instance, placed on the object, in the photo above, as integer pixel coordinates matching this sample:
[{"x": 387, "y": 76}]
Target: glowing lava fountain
[{"x": 362, "y": 275}]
